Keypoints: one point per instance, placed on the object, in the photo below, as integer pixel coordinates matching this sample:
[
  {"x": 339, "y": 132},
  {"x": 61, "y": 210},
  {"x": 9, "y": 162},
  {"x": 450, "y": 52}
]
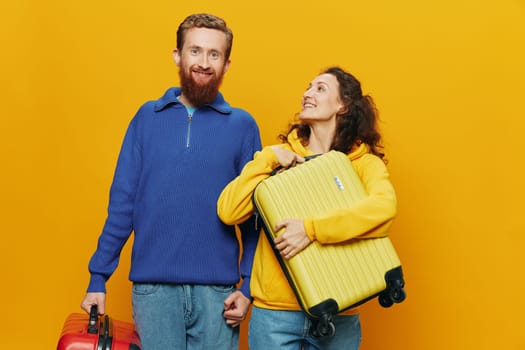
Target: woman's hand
[
  {"x": 293, "y": 239},
  {"x": 287, "y": 158}
]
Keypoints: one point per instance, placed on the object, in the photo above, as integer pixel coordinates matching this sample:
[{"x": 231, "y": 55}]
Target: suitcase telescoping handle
[{"x": 93, "y": 320}]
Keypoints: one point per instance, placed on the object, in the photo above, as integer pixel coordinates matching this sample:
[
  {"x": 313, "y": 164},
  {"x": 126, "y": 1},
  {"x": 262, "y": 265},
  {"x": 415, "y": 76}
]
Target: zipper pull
[{"x": 188, "y": 133}]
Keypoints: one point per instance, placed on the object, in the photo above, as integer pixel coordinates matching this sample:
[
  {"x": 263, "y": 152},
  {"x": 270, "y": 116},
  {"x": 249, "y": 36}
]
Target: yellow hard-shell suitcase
[{"x": 328, "y": 279}]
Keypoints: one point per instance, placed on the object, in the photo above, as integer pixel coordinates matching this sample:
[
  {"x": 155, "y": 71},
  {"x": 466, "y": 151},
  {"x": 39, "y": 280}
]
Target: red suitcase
[{"x": 93, "y": 332}]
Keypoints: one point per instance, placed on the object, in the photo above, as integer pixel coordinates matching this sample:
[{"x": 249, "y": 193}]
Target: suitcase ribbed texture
[{"x": 350, "y": 273}]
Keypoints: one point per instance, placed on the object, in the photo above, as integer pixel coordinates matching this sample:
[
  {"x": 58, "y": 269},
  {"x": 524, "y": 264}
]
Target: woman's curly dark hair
[{"x": 356, "y": 124}]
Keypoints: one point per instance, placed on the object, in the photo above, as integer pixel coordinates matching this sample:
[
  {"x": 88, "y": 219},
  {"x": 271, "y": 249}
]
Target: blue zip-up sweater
[{"x": 170, "y": 172}]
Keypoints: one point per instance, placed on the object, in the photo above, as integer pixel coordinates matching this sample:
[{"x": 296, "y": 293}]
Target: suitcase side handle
[
  {"x": 93, "y": 320},
  {"x": 105, "y": 339}
]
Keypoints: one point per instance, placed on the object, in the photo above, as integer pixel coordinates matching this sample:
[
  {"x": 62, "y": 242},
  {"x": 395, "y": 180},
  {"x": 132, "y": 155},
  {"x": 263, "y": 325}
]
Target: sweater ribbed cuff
[
  {"x": 97, "y": 284},
  {"x": 245, "y": 288},
  {"x": 309, "y": 229}
]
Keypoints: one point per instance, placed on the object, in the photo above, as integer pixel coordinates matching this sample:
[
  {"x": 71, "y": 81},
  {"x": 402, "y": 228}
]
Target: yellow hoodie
[{"x": 372, "y": 217}]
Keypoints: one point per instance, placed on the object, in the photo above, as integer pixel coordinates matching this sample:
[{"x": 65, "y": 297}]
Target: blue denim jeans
[
  {"x": 182, "y": 317},
  {"x": 290, "y": 330}
]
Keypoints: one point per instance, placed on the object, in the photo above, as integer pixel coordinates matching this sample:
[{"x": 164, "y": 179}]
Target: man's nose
[{"x": 204, "y": 62}]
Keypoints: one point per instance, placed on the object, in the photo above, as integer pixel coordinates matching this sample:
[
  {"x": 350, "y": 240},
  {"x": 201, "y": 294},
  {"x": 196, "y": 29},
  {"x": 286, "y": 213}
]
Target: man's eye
[
  {"x": 214, "y": 55},
  {"x": 194, "y": 51}
]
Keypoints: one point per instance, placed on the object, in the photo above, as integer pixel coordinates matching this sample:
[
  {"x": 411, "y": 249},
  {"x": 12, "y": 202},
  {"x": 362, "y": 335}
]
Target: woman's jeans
[
  {"x": 183, "y": 317},
  {"x": 290, "y": 330}
]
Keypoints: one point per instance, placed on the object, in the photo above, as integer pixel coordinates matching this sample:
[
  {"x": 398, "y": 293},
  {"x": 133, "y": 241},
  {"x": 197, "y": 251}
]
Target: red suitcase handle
[
  {"x": 105, "y": 330},
  {"x": 93, "y": 318}
]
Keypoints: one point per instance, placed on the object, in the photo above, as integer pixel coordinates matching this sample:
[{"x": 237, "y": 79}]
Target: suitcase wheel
[
  {"x": 322, "y": 320},
  {"x": 385, "y": 300},
  {"x": 398, "y": 295},
  {"x": 393, "y": 294},
  {"x": 323, "y": 328}
]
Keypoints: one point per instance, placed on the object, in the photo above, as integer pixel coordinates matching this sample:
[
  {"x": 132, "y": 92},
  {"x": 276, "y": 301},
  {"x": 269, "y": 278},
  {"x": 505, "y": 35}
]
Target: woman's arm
[
  {"x": 235, "y": 202},
  {"x": 370, "y": 217}
]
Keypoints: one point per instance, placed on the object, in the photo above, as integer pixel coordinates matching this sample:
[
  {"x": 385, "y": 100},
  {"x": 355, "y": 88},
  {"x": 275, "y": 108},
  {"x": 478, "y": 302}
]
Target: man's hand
[
  {"x": 94, "y": 298},
  {"x": 235, "y": 308}
]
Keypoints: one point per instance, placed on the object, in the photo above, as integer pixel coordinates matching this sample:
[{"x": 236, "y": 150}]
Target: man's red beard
[{"x": 199, "y": 94}]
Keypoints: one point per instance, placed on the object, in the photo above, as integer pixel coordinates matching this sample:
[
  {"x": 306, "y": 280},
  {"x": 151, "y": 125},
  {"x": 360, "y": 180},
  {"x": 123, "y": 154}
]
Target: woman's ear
[{"x": 342, "y": 110}]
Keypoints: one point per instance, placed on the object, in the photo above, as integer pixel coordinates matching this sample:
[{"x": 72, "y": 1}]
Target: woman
[{"x": 335, "y": 116}]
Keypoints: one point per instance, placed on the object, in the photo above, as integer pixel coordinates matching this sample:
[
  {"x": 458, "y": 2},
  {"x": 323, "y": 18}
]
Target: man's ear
[
  {"x": 176, "y": 57},
  {"x": 226, "y": 66}
]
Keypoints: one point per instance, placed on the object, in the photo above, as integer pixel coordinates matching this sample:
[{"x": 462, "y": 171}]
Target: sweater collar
[{"x": 170, "y": 97}]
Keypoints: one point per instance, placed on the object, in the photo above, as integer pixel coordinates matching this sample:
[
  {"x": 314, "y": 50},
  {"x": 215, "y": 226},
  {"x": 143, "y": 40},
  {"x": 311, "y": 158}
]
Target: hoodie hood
[{"x": 358, "y": 150}]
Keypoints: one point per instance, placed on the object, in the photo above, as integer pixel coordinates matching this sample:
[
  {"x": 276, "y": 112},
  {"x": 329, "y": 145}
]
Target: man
[{"x": 179, "y": 152}]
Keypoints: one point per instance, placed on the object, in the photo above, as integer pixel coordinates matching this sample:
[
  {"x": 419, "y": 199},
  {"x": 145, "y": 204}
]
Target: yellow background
[{"x": 448, "y": 78}]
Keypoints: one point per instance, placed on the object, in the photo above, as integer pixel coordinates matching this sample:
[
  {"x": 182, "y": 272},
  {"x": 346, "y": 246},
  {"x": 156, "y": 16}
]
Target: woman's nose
[{"x": 307, "y": 93}]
